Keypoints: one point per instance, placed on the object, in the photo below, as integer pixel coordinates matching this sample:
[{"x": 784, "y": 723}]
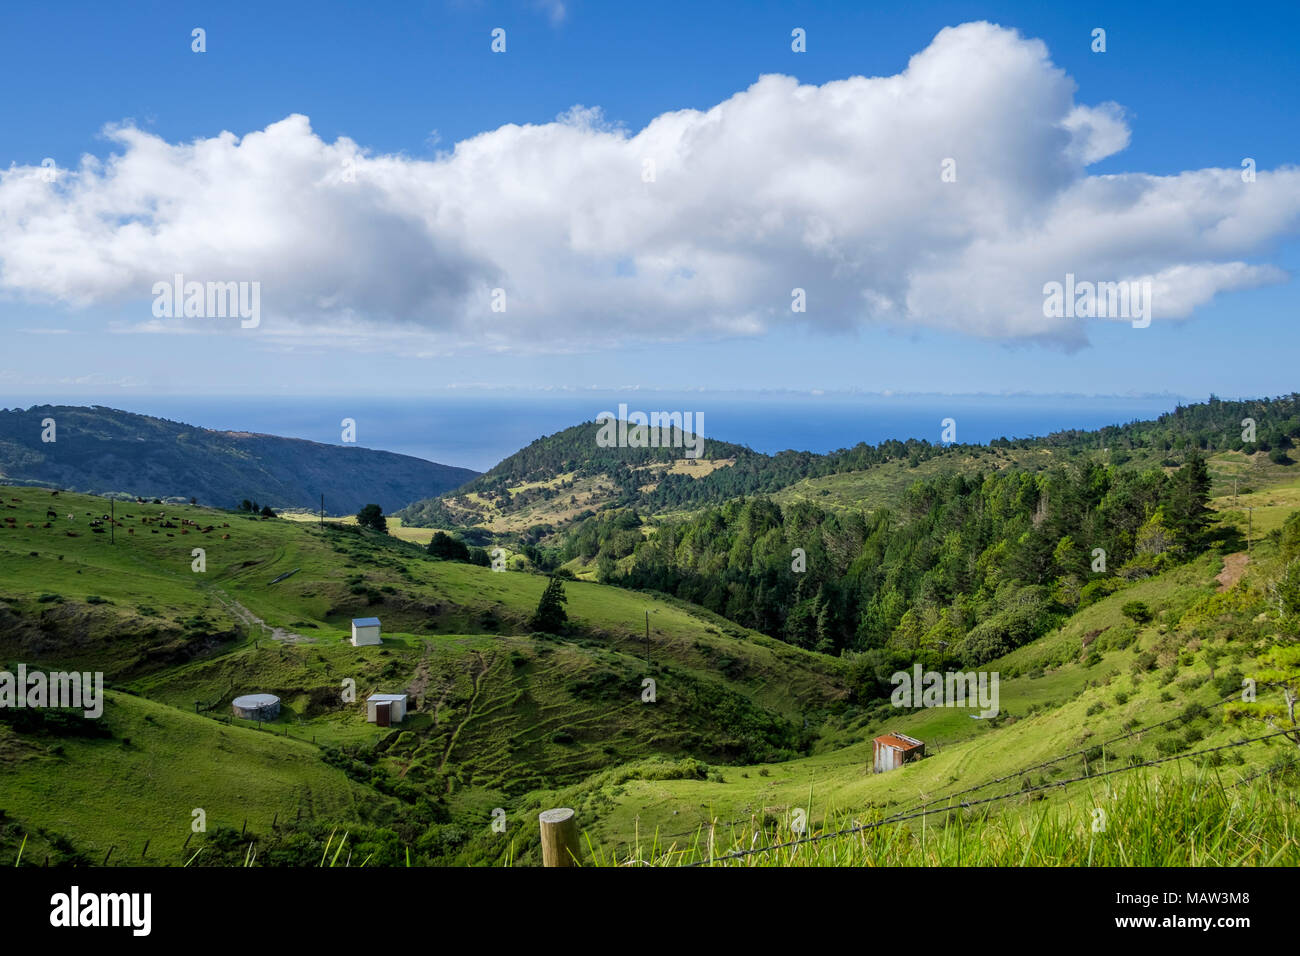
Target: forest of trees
[
  {"x": 969, "y": 568},
  {"x": 1211, "y": 426}
]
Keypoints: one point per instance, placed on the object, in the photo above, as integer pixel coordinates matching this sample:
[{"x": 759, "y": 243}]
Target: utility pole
[{"x": 647, "y": 640}]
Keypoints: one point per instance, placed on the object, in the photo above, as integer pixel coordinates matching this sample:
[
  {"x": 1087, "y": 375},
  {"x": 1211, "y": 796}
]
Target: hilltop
[
  {"x": 103, "y": 450},
  {"x": 565, "y": 478}
]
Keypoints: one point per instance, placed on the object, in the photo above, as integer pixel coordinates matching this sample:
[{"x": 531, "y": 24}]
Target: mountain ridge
[{"x": 104, "y": 450}]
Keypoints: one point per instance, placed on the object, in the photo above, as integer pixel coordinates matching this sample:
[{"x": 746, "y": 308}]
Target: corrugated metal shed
[{"x": 891, "y": 751}]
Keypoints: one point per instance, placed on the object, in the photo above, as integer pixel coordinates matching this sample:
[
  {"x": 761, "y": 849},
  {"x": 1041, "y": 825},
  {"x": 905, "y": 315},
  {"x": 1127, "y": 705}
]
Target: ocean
[{"x": 476, "y": 430}]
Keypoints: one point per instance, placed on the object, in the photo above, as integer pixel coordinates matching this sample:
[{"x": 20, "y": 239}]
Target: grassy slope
[
  {"x": 1047, "y": 691},
  {"x": 493, "y": 704},
  {"x": 111, "y": 792},
  {"x": 499, "y": 711}
]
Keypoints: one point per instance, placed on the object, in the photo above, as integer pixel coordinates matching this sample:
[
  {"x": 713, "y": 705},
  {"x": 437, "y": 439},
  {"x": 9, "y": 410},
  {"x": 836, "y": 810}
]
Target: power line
[
  {"x": 739, "y": 854},
  {"x": 1185, "y": 716}
]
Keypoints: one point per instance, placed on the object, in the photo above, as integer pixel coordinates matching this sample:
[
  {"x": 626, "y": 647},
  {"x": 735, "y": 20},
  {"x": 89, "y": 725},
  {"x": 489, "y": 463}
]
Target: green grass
[
  {"x": 159, "y": 765},
  {"x": 1192, "y": 819},
  {"x": 498, "y": 711},
  {"x": 745, "y": 730}
]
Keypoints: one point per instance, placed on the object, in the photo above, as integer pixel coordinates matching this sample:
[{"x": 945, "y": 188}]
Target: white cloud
[{"x": 835, "y": 189}]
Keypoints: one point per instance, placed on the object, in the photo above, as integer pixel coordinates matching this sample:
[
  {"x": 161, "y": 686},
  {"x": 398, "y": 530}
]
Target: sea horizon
[{"x": 477, "y": 428}]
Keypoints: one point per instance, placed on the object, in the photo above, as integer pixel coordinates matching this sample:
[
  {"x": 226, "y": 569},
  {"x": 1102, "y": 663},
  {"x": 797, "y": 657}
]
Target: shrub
[
  {"x": 1168, "y": 746},
  {"x": 1137, "y": 611}
]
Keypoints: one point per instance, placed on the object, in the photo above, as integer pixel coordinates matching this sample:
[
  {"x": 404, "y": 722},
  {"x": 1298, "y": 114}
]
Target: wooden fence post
[{"x": 559, "y": 837}]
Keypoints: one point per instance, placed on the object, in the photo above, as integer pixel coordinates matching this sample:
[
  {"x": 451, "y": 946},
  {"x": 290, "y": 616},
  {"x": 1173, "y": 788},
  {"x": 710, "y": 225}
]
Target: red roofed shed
[{"x": 891, "y": 751}]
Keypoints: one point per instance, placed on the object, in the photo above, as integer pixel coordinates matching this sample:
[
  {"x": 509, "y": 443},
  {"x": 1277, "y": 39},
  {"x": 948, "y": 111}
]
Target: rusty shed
[{"x": 891, "y": 751}]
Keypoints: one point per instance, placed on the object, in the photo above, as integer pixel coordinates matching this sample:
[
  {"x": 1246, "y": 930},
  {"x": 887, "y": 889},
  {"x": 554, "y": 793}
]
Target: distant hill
[
  {"x": 560, "y": 476},
  {"x": 102, "y": 450},
  {"x": 563, "y": 477}
]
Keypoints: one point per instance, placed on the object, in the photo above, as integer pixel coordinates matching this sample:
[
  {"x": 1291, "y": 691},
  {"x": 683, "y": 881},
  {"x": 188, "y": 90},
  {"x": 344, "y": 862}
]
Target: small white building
[
  {"x": 365, "y": 630},
  {"x": 385, "y": 709}
]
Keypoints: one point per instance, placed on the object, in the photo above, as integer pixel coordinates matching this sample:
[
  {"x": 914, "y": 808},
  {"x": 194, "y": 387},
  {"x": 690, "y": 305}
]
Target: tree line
[{"x": 968, "y": 567}]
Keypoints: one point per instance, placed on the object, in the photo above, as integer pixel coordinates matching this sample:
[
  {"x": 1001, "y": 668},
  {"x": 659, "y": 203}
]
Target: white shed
[
  {"x": 385, "y": 709},
  {"x": 365, "y": 630}
]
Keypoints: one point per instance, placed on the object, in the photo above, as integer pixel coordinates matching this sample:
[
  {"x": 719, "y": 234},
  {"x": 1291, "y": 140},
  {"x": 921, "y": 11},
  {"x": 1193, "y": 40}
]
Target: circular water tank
[{"x": 256, "y": 706}]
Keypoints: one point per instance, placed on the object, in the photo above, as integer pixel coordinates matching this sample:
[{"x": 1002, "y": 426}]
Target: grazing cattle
[
  {"x": 69, "y": 517},
  {"x": 71, "y": 534},
  {"x": 153, "y": 530},
  {"x": 46, "y": 525},
  {"x": 96, "y": 530},
  {"x": 130, "y": 530},
  {"x": 54, "y": 494},
  {"x": 16, "y": 499},
  {"x": 51, "y": 514},
  {"x": 170, "y": 535},
  {"x": 224, "y": 537}
]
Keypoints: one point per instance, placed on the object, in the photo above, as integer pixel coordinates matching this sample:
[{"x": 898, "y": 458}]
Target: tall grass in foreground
[{"x": 1146, "y": 821}]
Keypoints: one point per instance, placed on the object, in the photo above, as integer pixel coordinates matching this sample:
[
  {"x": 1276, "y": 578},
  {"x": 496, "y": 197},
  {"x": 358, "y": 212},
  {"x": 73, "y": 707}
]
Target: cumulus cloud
[{"x": 700, "y": 224}]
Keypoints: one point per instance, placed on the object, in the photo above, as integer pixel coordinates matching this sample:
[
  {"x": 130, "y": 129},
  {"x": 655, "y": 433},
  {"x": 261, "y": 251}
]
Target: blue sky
[{"x": 1201, "y": 86}]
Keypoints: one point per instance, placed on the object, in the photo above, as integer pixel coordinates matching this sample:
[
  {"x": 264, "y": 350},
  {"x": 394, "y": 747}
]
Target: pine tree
[
  {"x": 550, "y": 616},
  {"x": 1189, "y": 495}
]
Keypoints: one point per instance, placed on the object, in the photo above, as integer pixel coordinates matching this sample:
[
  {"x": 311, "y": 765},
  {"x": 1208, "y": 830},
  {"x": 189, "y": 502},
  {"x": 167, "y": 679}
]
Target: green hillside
[
  {"x": 1119, "y": 690},
  {"x": 104, "y": 450},
  {"x": 561, "y": 478},
  {"x": 497, "y": 710}
]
